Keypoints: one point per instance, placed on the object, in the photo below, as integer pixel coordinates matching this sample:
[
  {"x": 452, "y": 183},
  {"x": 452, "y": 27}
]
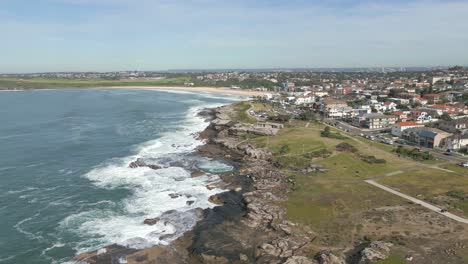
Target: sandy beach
[
  {"x": 219, "y": 90},
  {"x": 192, "y": 89}
]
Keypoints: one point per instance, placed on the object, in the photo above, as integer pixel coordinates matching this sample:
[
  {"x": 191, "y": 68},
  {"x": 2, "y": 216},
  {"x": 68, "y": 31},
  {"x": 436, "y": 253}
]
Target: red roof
[
  {"x": 403, "y": 124},
  {"x": 439, "y": 106}
]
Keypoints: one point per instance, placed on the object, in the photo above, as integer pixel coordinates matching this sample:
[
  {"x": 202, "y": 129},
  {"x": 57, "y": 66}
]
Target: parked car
[{"x": 464, "y": 164}]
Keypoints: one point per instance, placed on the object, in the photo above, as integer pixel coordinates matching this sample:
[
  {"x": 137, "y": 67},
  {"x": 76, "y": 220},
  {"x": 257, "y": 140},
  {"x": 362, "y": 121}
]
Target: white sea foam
[
  {"x": 151, "y": 194},
  {"x": 27, "y": 189}
]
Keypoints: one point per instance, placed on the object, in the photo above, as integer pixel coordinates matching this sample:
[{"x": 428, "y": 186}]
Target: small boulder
[
  {"x": 175, "y": 195},
  {"x": 216, "y": 199},
  {"x": 326, "y": 257},
  {"x": 299, "y": 260},
  {"x": 151, "y": 221}
]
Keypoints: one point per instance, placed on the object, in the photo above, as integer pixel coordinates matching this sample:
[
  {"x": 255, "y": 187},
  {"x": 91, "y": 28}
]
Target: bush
[
  {"x": 346, "y": 147},
  {"x": 327, "y": 133},
  {"x": 372, "y": 159},
  {"x": 280, "y": 118},
  {"x": 284, "y": 149},
  {"x": 415, "y": 153},
  {"x": 457, "y": 195},
  {"x": 323, "y": 153}
]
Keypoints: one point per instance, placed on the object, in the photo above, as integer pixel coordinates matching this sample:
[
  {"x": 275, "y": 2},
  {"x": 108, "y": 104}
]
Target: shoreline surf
[{"x": 214, "y": 90}]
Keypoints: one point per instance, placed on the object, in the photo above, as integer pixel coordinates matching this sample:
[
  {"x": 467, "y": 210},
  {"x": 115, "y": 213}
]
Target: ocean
[{"x": 65, "y": 182}]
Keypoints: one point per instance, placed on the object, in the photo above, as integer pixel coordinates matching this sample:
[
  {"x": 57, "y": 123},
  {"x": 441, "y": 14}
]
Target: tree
[
  {"x": 326, "y": 132},
  {"x": 446, "y": 117}
]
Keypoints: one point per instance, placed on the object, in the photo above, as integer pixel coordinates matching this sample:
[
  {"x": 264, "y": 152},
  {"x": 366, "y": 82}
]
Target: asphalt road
[
  {"x": 455, "y": 158},
  {"x": 417, "y": 201}
]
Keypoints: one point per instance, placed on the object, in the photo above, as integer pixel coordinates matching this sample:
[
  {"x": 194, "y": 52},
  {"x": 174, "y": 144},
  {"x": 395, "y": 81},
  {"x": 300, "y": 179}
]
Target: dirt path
[{"x": 417, "y": 201}]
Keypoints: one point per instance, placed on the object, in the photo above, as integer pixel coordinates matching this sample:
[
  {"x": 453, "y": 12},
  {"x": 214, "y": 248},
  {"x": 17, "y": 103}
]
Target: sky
[{"x": 113, "y": 35}]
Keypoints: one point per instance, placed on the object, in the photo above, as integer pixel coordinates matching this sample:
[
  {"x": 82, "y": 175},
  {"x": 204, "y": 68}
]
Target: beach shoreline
[{"x": 217, "y": 90}]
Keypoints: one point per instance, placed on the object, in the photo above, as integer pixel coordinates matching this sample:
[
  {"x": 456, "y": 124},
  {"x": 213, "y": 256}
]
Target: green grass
[
  {"x": 392, "y": 259},
  {"x": 455, "y": 168},
  {"x": 431, "y": 185},
  {"x": 44, "y": 83},
  {"x": 348, "y": 166},
  {"x": 299, "y": 140},
  {"x": 241, "y": 114},
  {"x": 332, "y": 207}
]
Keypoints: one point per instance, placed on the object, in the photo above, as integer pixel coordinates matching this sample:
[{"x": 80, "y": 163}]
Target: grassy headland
[{"x": 342, "y": 209}]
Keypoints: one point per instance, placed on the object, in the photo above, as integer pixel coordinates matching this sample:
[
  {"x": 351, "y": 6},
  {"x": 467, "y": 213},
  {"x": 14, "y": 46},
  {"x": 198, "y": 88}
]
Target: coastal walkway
[{"x": 417, "y": 201}]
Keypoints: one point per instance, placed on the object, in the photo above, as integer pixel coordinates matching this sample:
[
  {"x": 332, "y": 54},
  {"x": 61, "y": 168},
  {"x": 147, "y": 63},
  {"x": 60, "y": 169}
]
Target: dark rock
[
  {"x": 174, "y": 195},
  {"x": 190, "y": 202},
  {"x": 140, "y": 163},
  {"x": 151, "y": 221},
  {"x": 216, "y": 200}
]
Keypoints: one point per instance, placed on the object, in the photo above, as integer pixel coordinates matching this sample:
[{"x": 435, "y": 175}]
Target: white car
[{"x": 464, "y": 164}]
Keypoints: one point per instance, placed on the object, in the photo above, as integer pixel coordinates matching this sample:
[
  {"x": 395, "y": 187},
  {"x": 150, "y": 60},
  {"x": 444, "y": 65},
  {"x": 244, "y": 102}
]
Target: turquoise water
[{"x": 65, "y": 185}]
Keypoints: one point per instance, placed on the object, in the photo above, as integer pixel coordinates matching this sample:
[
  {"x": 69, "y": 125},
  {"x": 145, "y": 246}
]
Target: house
[
  {"x": 433, "y": 112},
  {"x": 440, "y": 79},
  {"x": 402, "y": 116},
  {"x": 459, "y": 141},
  {"x": 305, "y": 99},
  {"x": 426, "y": 137},
  {"x": 375, "y": 121},
  {"x": 420, "y": 115},
  {"x": 398, "y": 128},
  {"x": 451, "y": 109},
  {"x": 432, "y": 98},
  {"x": 344, "y": 112},
  {"x": 389, "y": 106},
  {"x": 455, "y": 125},
  {"x": 333, "y": 108},
  {"x": 288, "y": 86}
]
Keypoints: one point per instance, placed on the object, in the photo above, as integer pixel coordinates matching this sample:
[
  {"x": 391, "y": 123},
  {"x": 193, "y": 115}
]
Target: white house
[
  {"x": 305, "y": 99},
  {"x": 398, "y": 128}
]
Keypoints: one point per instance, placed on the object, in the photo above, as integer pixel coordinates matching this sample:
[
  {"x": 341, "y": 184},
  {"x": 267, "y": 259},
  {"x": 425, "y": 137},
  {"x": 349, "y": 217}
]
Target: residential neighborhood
[{"x": 427, "y": 109}]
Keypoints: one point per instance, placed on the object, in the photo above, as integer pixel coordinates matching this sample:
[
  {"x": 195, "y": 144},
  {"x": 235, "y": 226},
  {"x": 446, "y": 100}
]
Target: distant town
[{"x": 426, "y": 107}]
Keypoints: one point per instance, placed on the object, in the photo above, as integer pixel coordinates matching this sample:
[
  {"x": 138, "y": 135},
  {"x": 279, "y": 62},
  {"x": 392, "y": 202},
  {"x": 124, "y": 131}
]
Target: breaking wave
[{"x": 170, "y": 193}]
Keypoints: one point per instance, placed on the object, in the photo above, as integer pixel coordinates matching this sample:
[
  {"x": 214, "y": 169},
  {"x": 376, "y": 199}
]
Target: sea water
[{"x": 65, "y": 184}]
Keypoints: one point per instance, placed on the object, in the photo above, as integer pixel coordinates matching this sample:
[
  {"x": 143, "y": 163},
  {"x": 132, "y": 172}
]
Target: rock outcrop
[
  {"x": 326, "y": 257},
  {"x": 151, "y": 221},
  {"x": 140, "y": 163},
  {"x": 377, "y": 250}
]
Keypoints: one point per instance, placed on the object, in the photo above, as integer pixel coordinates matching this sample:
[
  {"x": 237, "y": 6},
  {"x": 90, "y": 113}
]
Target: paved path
[{"x": 417, "y": 201}]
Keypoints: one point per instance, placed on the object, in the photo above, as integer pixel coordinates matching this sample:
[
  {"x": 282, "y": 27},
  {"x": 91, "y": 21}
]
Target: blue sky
[{"x": 107, "y": 35}]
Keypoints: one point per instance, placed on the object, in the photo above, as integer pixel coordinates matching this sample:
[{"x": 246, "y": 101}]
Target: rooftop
[{"x": 405, "y": 124}]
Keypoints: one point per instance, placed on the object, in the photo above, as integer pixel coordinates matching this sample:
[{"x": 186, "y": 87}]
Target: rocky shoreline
[{"x": 248, "y": 226}]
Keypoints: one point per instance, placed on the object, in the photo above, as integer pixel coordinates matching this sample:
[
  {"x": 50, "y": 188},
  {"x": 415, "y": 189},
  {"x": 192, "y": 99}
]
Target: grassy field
[
  {"x": 456, "y": 168},
  {"x": 446, "y": 189},
  {"x": 241, "y": 114},
  {"x": 330, "y": 202},
  {"x": 334, "y": 204},
  {"x": 49, "y": 83}
]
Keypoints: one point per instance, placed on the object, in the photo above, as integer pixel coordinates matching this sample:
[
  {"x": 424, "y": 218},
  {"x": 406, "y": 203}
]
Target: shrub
[
  {"x": 327, "y": 133},
  {"x": 372, "y": 159},
  {"x": 284, "y": 149},
  {"x": 457, "y": 195},
  {"x": 346, "y": 147},
  {"x": 280, "y": 118},
  {"x": 323, "y": 153}
]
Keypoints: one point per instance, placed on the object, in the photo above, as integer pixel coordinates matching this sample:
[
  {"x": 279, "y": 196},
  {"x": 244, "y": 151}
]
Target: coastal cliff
[{"x": 248, "y": 226}]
